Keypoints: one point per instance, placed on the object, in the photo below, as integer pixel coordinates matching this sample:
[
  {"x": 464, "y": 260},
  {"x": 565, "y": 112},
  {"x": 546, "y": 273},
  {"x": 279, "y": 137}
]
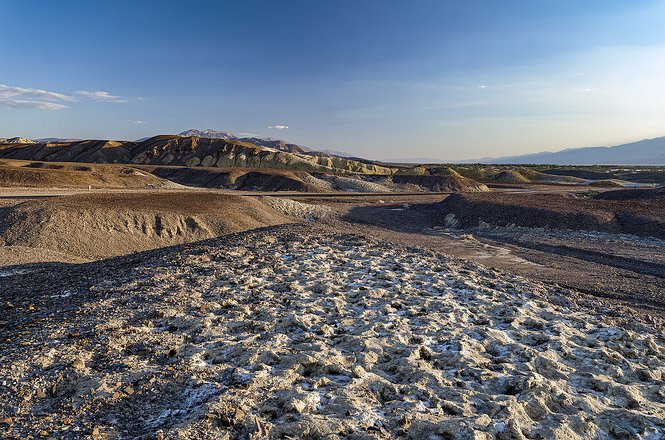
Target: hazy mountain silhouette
[{"x": 644, "y": 152}]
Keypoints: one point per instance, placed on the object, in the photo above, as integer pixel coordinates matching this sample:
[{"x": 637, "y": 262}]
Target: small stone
[
  {"x": 231, "y": 418},
  {"x": 98, "y": 434},
  {"x": 40, "y": 393},
  {"x": 322, "y": 382},
  {"x": 128, "y": 390},
  {"x": 74, "y": 335},
  {"x": 326, "y": 330},
  {"x": 296, "y": 405},
  {"x": 425, "y": 353},
  {"x": 358, "y": 372},
  {"x": 6, "y": 421}
]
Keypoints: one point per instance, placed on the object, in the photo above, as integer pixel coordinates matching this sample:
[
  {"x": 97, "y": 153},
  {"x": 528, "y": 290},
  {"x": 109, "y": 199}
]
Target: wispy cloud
[
  {"x": 9, "y": 92},
  {"x": 13, "y": 97},
  {"x": 25, "y": 103},
  {"x": 278, "y": 127},
  {"x": 99, "y": 96},
  {"x": 137, "y": 122},
  {"x": 244, "y": 134}
]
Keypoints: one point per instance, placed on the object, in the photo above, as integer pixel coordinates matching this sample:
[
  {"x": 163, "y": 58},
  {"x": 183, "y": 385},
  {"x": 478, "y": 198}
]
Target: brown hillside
[
  {"x": 67, "y": 175},
  {"x": 97, "y": 226}
]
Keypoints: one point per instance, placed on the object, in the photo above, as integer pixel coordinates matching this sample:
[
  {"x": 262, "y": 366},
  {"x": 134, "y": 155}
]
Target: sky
[{"x": 382, "y": 79}]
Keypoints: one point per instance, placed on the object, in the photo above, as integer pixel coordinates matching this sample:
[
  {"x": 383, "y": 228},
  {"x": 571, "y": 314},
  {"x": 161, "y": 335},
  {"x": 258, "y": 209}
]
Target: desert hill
[
  {"x": 438, "y": 178},
  {"x": 94, "y": 226},
  {"x": 29, "y": 174},
  {"x": 187, "y": 151}
]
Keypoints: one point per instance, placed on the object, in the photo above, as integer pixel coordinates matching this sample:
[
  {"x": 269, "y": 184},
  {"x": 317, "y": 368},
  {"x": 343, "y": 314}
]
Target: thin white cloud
[
  {"x": 99, "y": 96},
  {"x": 25, "y": 103},
  {"x": 137, "y": 122},
  {"x": 244, "y": 134},
  {"x": 9, "y": 92},
  {"x": 13, "y": 97},
  {"x": 278, "y": 127}
]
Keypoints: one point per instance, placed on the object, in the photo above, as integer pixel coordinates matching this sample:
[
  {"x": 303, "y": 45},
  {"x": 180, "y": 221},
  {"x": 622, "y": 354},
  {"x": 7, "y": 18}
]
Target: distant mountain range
[
  {"x": 209, "y": 134},
  {"x": 644, "y": 152},
  {"x": 52, "y": 139},
  {"x": 16, "y": 140}
]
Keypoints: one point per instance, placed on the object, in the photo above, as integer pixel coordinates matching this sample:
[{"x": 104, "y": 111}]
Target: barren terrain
[
  {"x": 294, "y": 332},
  {"x": 182, "y": 313}
]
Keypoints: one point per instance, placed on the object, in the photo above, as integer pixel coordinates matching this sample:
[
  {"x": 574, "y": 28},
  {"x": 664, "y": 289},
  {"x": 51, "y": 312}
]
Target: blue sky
[{"x": 378, "y": 78}]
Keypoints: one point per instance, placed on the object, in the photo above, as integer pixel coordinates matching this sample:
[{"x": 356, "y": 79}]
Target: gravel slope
[{"x": 289, "y": 332}]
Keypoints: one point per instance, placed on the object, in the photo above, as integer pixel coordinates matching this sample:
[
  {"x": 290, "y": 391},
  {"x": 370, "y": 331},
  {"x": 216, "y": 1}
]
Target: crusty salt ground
[
  {"x": 294, "y": 208},
  {"x": 285, "y": 333}
]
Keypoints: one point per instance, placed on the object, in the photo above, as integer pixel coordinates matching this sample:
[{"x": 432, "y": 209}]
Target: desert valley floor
[{"x": 187, "y": 313}]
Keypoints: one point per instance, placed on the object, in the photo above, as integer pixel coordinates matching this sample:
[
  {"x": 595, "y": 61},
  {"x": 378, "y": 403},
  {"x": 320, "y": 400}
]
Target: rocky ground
[
  {"x": 621, "y": 267},
  {"x": 298, "y": 332},
  {"x": 641, "y": 216}
]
